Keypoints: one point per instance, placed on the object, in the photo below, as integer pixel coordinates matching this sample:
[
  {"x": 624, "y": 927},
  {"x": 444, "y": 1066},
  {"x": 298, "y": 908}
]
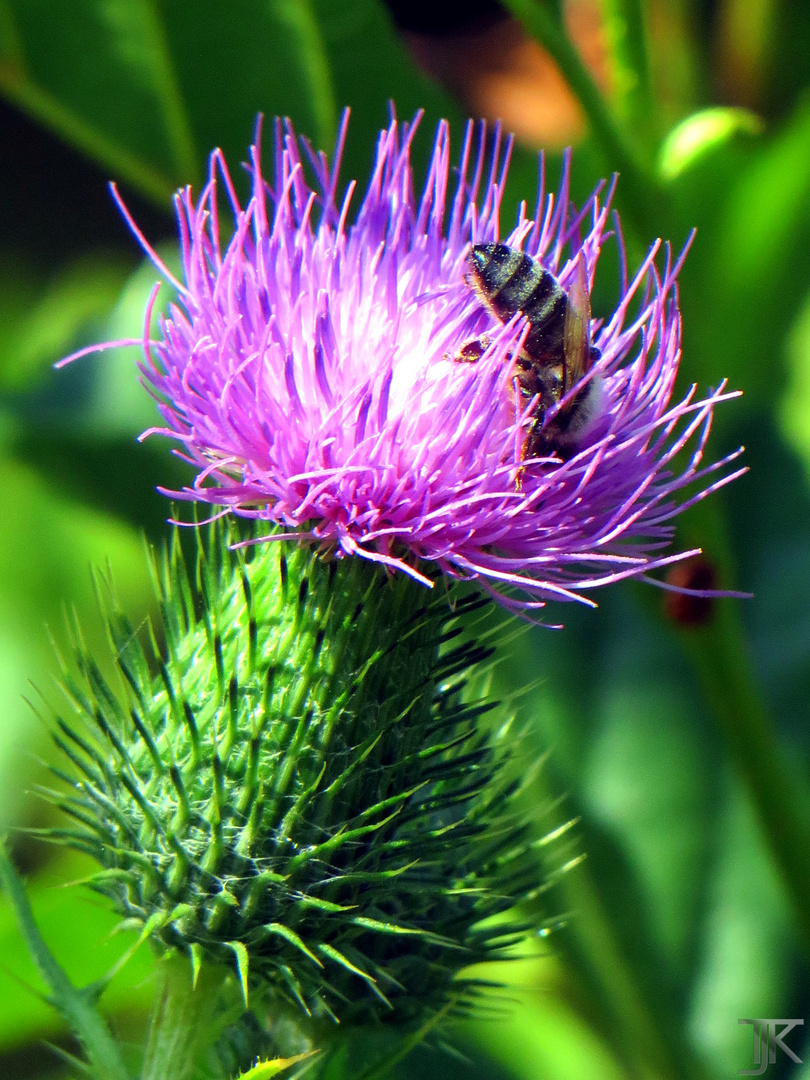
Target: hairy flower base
[{"x": 295, "y": 784}]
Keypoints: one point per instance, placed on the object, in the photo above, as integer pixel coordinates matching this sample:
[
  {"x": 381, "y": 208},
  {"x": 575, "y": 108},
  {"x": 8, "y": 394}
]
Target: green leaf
[
  {"x": 115, "y": 476},
  {"x": 299, "y": 19},
  {"x": 339, "y": 958},
  {"x": 258, "y": 56},
  {"x": 701, "y": 133},
  {"x": 196, "y": 956},
  {"x": 141, "y": 108},
  {"x": 77, "y": 1006},
  {"x": 263, "y": 1070},
  {"x": 117, "y": 404},
  {"x": 626, "y": 34},
  {"x": 82, "y": 442},
  {"x": 383, "y": 1068},
  {"x": 122, "y": 109}
]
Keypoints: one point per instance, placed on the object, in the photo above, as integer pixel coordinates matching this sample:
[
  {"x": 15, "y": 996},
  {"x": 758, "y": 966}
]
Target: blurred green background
[{"x": 677, "y": 923}]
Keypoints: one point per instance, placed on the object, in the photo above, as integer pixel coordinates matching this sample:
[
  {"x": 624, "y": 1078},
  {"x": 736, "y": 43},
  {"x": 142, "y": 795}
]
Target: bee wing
[{"x": 577, "y": 329}]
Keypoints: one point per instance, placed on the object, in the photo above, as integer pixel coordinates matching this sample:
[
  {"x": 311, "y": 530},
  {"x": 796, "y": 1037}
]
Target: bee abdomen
[
  {"x": 545, "y": 309},
  {"x": 509, "y": 281}
]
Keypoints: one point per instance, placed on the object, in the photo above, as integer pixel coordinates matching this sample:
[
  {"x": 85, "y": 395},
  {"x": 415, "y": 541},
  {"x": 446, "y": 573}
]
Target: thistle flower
[
  {"x": 307, "y": 370},
  {"x": 291, "y": 780}
]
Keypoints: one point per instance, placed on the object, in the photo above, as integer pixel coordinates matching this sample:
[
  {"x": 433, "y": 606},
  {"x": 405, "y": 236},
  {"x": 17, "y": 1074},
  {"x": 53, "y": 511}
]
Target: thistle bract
[
  {"x": 307, "y": 369},
  {"x": 295, "y": 784}
]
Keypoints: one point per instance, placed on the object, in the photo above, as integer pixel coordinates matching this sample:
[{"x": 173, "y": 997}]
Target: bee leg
[
  {"x": 527, "y": 450},
  {"x": 534, "y": 445},
  {"x": 472, "y": 352}
]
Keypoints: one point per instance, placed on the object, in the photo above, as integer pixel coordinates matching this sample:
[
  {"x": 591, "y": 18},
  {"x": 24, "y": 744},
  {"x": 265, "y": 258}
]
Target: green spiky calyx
[{"x": 293, "y": 783}]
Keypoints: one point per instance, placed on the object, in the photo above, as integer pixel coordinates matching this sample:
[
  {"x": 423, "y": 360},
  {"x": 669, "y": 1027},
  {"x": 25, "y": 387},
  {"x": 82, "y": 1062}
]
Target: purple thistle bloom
[{"x": 308, "y": 371}]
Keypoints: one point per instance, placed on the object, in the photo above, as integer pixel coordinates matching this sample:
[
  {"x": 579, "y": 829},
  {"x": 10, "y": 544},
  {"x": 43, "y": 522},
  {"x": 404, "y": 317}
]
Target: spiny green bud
[{"x": 290, "y": 779}]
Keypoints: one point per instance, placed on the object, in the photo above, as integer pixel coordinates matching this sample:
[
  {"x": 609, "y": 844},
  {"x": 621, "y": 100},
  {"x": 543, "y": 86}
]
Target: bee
[{"x": 557, "y": 352}]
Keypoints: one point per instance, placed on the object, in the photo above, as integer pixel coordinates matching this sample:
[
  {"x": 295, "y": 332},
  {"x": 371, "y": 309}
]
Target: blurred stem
[
  {"x": 638, "y": 1037},
  {"x": 186, "y": 1019},
  {"x": 719, "y": 653},
  {"x": 638, "y": 185},
  {"x": 631, "y": 66}
]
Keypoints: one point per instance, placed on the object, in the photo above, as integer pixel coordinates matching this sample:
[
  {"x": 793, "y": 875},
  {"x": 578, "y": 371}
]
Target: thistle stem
[
  {"x": 719, "y": 655},
  {"x": 186, "y": 1019},
  {"x": 638, "y": 183},
  {"x": 642, "y": 1042},
  {"x": 639, "y": 1035},
  {"x": 631, "y": 67},
  {"x": 77, "y": 1005}
]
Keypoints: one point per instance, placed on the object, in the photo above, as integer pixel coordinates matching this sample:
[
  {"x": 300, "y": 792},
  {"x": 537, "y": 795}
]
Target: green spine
[{"x": 290, "y": 779}]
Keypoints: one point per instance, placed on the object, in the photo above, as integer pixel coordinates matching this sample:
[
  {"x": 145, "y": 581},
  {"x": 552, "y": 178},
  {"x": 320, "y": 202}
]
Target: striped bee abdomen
[{"x": 509, "y": 281}]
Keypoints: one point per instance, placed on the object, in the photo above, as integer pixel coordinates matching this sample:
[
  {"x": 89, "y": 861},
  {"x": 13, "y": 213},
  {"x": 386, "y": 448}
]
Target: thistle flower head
[{"x": 308, "y": 370}]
